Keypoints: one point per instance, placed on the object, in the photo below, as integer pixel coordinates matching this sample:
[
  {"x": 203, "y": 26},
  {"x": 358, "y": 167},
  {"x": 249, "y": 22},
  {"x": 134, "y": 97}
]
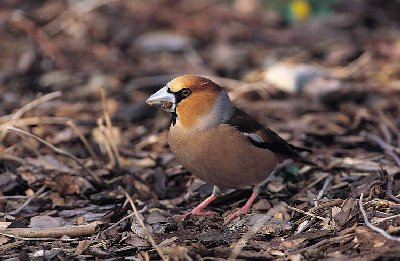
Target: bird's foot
[
  {"x": 199, "y": 211},
  {"x": 241, "y": 211}
]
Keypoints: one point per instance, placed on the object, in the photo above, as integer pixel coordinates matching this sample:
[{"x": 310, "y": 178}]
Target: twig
[
  {"x": 125, "y": 218},
  {"x": 319, "y": 196},
  {"x": 14, "y": 197},
  {"x": 84, "y": 141},
  {"x": 307, "y": 213},
  {"x": 48, "y": 47},
  {"x": 252, "y": 231},
  {"x": 106, "y": 142},
  {"x": 42, "y": 99},
  {"x": 120, "y": 221},
  {"x": 389, "y": 190},
  {"x": 381, "y": 220},
  {"x": 388, "y": 148},
  {"x": 147, "y": 232},
  {"x": 35, "y": 121},
  {"x": 28, "y": 201},
  {"x": 18, "y": 114},
  {"x": 12, "y": 158},
  {"x": 54, "y": 232},
  {"x": 59, "y": 151},
  {"x": 386, "y": 133},
  {"x": 323, "y": 190},
  {"x": 109, "y": 129},
  {"x": 370, "y": 225}
]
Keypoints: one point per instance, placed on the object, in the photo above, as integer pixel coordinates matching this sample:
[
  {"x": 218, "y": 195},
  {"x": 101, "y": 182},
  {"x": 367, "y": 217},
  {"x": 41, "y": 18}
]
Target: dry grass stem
[
  {"x": 147, "y": 232},
  {"x": 381, "y": 220},
  {"x": 84, "y": 141},
  {"x": 126, "y": 217},
  {"x": 109, "y": 129},
  {"x": 106, "y": 143},
  {"x": 39, "y": 36},
  {"x": 321, "y": 193},
  {"x": 10, "y": 119},
  {"x": 307, "y": 213},
  {"x": 58, "y": 151},
  {"x": 28, "y": 201},
  {"x": 36, "y": 121}
]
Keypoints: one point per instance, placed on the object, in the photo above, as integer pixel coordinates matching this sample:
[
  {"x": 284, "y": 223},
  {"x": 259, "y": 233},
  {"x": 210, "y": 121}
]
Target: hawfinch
[{"x": 218, "y": 142}]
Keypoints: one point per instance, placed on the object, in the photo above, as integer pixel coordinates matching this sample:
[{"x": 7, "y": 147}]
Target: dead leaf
[
  {"x": 82, "y": 246},
  {"x": 45, "y": 222},
  {"x": 3, "y": 240},
  {"x": 294, "y": 243},
  {"x": 262, "y": 204},
  {"x": 343, "y": 215}
]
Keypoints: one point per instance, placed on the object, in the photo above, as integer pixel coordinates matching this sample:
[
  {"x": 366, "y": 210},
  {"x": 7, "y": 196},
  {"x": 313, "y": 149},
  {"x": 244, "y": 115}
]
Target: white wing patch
[{"x": 253, "y": 136}]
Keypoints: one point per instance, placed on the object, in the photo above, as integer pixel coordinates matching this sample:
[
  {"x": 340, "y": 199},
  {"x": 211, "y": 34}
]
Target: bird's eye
[{"x": 186, "y": 92}]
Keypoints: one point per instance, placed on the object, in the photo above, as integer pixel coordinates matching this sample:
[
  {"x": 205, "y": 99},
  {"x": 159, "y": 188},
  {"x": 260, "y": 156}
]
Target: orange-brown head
[{"x": 194, "y": 101}]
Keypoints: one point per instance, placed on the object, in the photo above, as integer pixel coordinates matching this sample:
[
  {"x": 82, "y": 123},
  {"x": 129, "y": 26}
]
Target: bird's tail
[
  {"x": 300, "y": 158},
  {"x": 299, "y": 149}
]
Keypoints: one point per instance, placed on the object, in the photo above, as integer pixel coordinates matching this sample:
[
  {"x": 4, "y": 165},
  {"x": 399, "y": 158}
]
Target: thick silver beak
[{"x": 162, "y": 99}]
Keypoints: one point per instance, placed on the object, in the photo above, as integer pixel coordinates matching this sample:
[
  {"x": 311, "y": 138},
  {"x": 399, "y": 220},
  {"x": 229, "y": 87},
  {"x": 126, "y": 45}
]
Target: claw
[
  {"x": 200, "y": 212},
  {"x": 237, "y": 213},
  {"x": 245, "y": 209}
]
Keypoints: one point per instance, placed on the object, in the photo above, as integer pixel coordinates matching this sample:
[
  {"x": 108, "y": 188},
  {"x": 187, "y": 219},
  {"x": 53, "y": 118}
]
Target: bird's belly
[{"x": 223, "y": 158}]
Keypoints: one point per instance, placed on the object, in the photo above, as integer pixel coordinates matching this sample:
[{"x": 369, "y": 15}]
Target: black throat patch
[
  {"x": 179, "y": 96},
  {"x": 173, "y": 118}
]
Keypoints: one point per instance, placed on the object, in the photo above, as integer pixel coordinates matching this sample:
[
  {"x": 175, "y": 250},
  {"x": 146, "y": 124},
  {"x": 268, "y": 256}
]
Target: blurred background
[
  {"x": 63, "y": 44},
  {"x": 323, "y": 74}
]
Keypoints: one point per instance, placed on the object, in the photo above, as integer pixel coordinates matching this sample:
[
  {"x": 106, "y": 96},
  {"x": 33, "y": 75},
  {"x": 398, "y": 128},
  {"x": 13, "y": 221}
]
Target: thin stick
[
  {"x": 386, "y": 133},
  {"x": 389, "y": 190},
  {"x": 35, "y": 121},
  {"x": 28, "y": 201},
  {"x": 386, "y": 219},
  {"x": 29, "y": 106},
  {"x": 84, "y": 141},
  {"x": 54, "y": 232},
  {"x": 120, "y": 221},
  {"x": 370, "y": 225},
  {"x": 39, "y": 36},
  {"x": 323, "y": 190},
  {"x": 252, "y": 231},
  {"x": 14, "y": 197},
  {"x": 18, "y": 114},
  {"x": 384, "y": 145},
  {"x": 40, "y": 238},
  {"x": 13, "y": 158},
  {"x": 125, "y": 218},
  {"x": 320, "y": 195},
  {"x": 59, "y": 151},
  {"x": 106, "y": 143},
  {"x": 147, "y": 232},
  {"x": 307, "y": 213},
  {"x": 109, "y": 129}
]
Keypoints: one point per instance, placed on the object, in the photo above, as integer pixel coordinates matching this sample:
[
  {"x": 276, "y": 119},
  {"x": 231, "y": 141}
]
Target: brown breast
[{"x": 221, "y": 156}]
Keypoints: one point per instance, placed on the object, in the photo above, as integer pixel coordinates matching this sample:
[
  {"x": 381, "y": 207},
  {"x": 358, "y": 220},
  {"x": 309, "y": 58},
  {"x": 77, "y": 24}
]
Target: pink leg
[
  {"x": 245, "y": 209},
  {"x": 199, "y": 209}
]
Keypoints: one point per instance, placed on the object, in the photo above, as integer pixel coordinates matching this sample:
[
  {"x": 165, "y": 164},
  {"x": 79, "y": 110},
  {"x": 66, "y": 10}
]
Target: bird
[{"x": 218, "y": 142}]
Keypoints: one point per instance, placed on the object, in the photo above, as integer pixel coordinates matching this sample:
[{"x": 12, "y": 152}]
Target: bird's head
[{"x": 194, "y": 101}]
